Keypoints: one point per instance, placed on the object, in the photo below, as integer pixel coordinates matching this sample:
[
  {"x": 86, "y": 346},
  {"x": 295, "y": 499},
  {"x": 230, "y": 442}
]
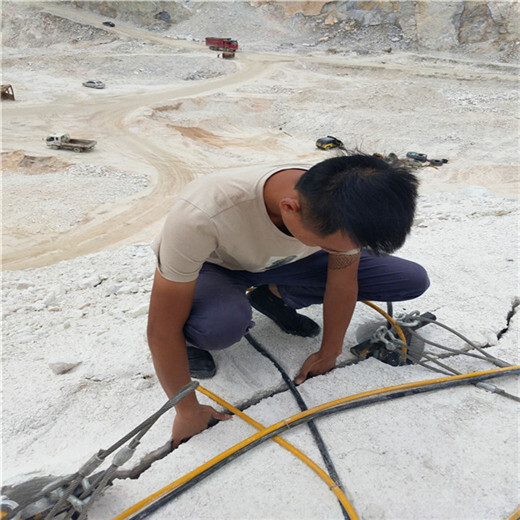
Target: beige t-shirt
[{"x": 221, "y": 218}]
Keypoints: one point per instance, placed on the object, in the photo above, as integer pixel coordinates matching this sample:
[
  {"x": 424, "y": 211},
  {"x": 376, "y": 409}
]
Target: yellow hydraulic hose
[
  {"x": 389, "y": 318},
  {"x": 319, "y": 471},
  {"x": 287, "y": 422}
]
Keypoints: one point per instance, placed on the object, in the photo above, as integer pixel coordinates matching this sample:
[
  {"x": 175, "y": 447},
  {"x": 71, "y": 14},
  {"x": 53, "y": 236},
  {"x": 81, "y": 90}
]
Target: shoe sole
[
  {"x": 200, "y": 372},
  {"x": 208, "y": 374}
]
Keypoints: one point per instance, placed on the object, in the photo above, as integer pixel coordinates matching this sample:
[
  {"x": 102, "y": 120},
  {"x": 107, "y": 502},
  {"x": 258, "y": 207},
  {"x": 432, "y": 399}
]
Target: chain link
[{"x": 388, "y": 338}]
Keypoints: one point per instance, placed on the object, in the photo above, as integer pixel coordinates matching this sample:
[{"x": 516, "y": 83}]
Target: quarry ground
[
  {"x": 172, "y": 110},
  {"x": 77, "y": 372}
]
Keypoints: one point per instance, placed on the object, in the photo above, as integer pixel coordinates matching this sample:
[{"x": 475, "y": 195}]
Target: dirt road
[
  {"x": 129, "y": 217},
  {"x": 299, "y": 81}
]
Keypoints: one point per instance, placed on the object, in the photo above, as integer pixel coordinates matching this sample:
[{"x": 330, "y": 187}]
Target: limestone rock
[{"x": 331, "y": 20}]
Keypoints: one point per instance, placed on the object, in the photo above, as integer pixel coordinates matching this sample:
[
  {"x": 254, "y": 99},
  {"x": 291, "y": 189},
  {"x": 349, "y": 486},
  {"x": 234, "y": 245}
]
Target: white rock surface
[{"x": 77, "y": 373}]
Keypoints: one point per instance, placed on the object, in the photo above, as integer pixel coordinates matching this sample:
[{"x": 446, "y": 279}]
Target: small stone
[
  {"x": 39, "y": 306},
  {"x": 24, "y": 285},
  {"x": 127, "y": 289},
  {"x": 60, "y": 368},
  {"x": 50, "y": 299},
  {"x": 143, "y": 384},
  {"x": 331, "y": 20},
  {"x": 93, "y": 281},
  {"x": 113, "y": 289},
  {"x": 139, "y": 311}
]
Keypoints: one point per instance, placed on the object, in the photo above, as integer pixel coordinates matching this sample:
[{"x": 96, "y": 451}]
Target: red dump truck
[{"x": 222, "y": 44}]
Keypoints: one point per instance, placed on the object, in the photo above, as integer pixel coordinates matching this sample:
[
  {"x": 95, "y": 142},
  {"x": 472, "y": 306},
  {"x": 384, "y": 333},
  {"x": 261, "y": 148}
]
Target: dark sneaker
[
  {"x": 264, "y": 301},
  {"x": 201, "y": 363}
]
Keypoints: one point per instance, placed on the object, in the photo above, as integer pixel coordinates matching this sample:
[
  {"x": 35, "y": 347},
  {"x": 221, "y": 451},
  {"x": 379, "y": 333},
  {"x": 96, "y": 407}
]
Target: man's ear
[{"x": 290, "y": 205}]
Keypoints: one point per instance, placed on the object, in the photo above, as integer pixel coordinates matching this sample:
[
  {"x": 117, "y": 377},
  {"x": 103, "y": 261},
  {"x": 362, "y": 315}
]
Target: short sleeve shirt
[{"x": 221, "y": 218}]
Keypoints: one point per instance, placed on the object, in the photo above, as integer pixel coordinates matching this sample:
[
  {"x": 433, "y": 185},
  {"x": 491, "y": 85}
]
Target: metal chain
[{"x": 388, "y": 338}]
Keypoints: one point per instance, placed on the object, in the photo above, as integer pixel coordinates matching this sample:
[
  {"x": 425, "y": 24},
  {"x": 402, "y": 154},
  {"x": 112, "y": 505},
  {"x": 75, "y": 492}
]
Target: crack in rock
[
  {"x": 150, "y": 458},
  {"x": 509, "y": 317}
]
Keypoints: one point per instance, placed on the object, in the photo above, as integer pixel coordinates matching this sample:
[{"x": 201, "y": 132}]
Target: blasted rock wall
[
  {"x": 143, "y": 13},
  {"x": 472, "y": 26},
  {"x": 25, "y": 25},
  {"x": 434, "y": 25}
]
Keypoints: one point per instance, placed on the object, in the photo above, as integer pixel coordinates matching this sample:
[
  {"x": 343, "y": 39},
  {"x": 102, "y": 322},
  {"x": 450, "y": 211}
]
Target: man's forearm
[
  {"x": 338, "y": 306},
  {"x": 170, "y": 306},
  {"x": 170, "y": 361}
]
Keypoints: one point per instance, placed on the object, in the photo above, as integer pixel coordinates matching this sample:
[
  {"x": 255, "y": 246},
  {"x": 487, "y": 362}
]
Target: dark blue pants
[{"x": 221, "y": 314}]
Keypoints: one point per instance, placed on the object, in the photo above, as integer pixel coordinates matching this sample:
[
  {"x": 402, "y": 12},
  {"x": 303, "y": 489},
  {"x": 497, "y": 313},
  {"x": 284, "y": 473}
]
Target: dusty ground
[
  {"x": 77, "y": 372},
  {"x": 172, "y": 111}
]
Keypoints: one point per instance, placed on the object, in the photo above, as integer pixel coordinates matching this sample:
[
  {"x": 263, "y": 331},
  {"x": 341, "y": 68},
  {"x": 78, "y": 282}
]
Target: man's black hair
[{"x": 362, "y": 196}]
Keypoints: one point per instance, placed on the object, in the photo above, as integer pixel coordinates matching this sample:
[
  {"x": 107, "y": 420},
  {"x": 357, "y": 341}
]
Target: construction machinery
[
  {"x": 56, "y": 141},
  {"x": 7, "y": 92},
  {"x": 222, "y": 44}
]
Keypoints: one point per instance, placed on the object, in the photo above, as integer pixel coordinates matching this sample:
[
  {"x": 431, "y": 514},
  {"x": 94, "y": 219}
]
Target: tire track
[{"x": 131, "y": 216}]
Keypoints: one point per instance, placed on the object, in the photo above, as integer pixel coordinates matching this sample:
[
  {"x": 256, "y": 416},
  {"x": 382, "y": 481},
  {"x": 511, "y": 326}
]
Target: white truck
[{"x": 56, "y": 141}]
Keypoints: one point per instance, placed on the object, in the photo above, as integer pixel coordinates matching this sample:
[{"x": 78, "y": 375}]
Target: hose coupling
[
  {"x": 123, "y": 456},
  {"x": 489, "y": 387},
  {"x": 90, "y": 465}
]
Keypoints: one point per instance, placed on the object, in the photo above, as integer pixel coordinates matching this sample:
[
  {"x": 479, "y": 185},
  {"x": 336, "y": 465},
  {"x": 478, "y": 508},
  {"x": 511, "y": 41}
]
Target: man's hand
[
  {"x": 338, "y": 305},
  {"x": 190, "y": 422},
  {"x": 315, "y": 365}
]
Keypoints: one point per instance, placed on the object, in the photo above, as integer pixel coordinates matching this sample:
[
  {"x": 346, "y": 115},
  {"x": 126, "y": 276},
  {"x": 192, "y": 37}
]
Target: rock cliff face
[
  {"x": 139, "y": 12},
  {"x": 434, "y": 25},
  {"x": 474, "y": 27}
]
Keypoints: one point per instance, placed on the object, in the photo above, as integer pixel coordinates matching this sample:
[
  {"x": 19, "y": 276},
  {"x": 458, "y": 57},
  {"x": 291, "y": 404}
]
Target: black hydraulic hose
[
  {"x": 318, "y": 439},
  {"x": 485, "y": 386},
  {"x": 322, "y": 413},
  {"x": 390, "y": 312}
]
